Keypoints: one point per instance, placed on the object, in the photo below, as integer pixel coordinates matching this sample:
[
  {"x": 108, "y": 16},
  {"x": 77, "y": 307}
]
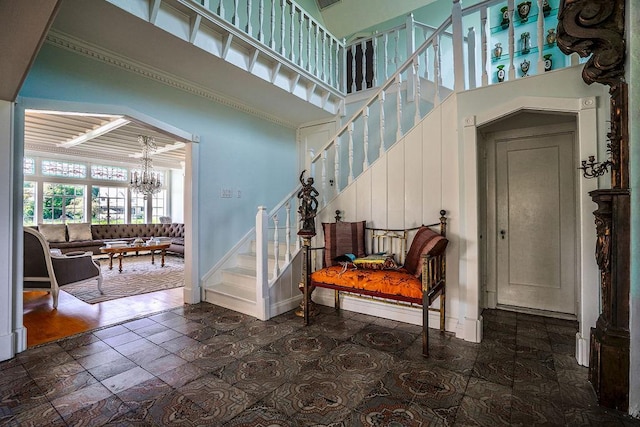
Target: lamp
[{"x": 147, "y": 182}]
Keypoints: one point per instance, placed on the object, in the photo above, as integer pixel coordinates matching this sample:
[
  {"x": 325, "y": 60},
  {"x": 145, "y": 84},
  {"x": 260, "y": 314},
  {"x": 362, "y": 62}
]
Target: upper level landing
[{"x": 184, "y": 44}]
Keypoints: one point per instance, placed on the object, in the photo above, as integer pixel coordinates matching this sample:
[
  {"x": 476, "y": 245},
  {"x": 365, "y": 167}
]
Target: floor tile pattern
[{"x": 206, "y": 365}]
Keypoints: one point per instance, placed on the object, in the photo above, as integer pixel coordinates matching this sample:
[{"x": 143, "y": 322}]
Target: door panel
[{"x": 536, "y": 223}]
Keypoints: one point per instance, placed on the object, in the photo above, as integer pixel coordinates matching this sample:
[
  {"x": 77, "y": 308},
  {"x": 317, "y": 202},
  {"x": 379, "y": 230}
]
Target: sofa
[{"x": 91, "y": 237}]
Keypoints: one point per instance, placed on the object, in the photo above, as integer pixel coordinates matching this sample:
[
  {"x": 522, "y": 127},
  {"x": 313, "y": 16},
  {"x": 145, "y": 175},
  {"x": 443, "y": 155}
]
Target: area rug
[{"x": 138, "y": 276}]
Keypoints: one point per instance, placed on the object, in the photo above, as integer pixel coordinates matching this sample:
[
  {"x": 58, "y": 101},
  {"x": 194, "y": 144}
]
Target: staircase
[
  {"x": 398, "y": 76},
  {"x": 235, "y": 286}
]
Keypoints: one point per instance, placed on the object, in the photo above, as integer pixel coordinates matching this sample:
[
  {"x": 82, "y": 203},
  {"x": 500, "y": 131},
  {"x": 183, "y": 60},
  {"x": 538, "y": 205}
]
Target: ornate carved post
[
  {"x": 307, "y": 210},
  {"x": 596, "y": 28}
]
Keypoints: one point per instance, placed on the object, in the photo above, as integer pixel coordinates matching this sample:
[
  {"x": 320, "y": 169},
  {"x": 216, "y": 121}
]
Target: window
[
  {"x": 110, "y": 173},
  {"x": 159, "y": 206},
  {"x": 62, "y": 203},
  {"x": 28, "y": 166},
  {"x": 29, "y": 203},
  {"x": 138, "y": 208},
  {"x": 64, "y": 169},
  {"x": 108, "y": 205}
]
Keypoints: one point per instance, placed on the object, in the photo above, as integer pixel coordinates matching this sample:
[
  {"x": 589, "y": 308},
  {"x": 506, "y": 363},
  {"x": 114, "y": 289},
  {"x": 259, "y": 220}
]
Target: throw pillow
[
  {"x": 412, "y": 260},
  {"x": 53, "y": 232},
  {"x": 434, "y": 247},
  {"x": 79, "y": 232},
  {"x": 343, "y": 238},
  {"x": 376, "y": 262}
]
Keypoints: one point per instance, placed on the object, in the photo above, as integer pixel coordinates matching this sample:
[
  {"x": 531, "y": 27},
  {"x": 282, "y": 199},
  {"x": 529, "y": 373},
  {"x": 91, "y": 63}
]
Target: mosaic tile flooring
[{"x": 205, "y": 365}]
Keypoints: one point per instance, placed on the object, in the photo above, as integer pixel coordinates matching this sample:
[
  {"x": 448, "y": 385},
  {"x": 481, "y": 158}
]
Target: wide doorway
[{"x": 529, "y": 218}]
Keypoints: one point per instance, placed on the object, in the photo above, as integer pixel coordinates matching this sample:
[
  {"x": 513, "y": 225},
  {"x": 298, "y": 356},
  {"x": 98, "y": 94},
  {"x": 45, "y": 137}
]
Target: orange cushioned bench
[{"x": 420, "y": 278}]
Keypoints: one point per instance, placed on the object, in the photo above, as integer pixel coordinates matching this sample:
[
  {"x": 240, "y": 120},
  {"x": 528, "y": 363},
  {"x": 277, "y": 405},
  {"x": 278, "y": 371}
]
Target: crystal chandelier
[{"x": 147, "y": 182}]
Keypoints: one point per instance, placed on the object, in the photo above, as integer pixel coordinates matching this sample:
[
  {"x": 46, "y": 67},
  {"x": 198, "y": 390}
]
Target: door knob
[{"x": 502, "y": 233}]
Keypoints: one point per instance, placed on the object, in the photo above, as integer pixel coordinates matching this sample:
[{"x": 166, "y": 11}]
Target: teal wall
[{"x": 237, "y": 150}]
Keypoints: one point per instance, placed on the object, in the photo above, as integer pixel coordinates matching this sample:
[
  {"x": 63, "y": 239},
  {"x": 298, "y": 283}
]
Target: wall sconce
[{"x": 592, "y": 169}]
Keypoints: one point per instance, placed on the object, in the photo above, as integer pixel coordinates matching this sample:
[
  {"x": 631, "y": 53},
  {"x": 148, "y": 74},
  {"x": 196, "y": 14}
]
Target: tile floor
[{"x": 205, "y": 365}]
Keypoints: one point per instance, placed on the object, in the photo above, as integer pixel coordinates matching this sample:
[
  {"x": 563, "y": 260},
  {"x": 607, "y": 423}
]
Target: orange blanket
[{"x": 391, "y": 282}]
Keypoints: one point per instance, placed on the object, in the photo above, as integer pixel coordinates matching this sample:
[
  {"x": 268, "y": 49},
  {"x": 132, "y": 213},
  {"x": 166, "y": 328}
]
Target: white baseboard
[
  {"x": 582, "y": 350},
  {"x": 285, "y": 305},
  {"x": 472, "y": 330},
  {"x": 400, "y": 313},
  {"x": 13, "y": 343}
]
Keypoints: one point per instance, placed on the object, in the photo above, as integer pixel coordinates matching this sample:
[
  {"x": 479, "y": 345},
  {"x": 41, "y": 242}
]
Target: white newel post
[
  {"x": 262, "y": 275},
  {"x": 416, "y": 73},
  {"x": 458, "y": 50},
  {"x": 336, "y": 162},
  {"x": 437, "y": 78},
  {"x": 324, "y": 178}
]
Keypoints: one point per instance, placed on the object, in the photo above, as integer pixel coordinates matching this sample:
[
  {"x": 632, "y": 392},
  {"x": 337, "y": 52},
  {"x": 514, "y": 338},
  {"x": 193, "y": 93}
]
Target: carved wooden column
[
  {"x": 609, "y": 353},
  {"x": 596, "y": 28}
]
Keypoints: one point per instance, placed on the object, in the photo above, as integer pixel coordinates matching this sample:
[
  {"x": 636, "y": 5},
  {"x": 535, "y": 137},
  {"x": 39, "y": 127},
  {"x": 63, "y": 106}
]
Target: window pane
[
  {"x": 66, "y": 169},
  {"x": 108, "y": 205},
  {"x": 138, "y": 208},
  {"x": 110, "y": 173},
  {"x": 28, "y": 166},
  {"x": 29, "y": 203},
  {"x": 62, "y": 203},
  {"x": 158, "y": 206}
]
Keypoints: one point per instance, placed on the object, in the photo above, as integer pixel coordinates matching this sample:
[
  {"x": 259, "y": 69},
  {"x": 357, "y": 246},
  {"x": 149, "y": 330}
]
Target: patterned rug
[{"x": 138, "y": 276}]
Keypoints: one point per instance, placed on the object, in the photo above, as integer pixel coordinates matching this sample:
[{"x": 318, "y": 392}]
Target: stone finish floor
[{"x": 206, "y": 365}]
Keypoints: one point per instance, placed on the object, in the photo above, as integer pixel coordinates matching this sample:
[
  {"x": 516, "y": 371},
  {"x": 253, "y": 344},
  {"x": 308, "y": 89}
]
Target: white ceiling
[{"x": 46, "y": 131}]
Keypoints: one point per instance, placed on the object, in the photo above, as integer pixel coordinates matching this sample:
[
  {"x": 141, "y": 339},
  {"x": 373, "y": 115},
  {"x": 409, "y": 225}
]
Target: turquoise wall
[{"x": 237, "y": 150}]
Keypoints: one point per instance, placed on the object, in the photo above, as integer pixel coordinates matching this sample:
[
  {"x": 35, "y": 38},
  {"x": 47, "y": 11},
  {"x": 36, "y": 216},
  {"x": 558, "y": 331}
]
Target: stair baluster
[
  {"x": 381, "y": 102},
  {"x": 248, "y": 27},
  {"x": 236, "y": 19},
  {"x": 483, "y": 41},
  {"x": 350, "y": 152},
  {"x": 324, "y": 177},
  {"x": 365, "y": 138},
  {"x": 416, "y": 74},
  {"x": 399, "y": 106},
  {"x": 276, "y": 248},
  {"x": 287, "y": 235},
  {"x": 471, "y": 43}
]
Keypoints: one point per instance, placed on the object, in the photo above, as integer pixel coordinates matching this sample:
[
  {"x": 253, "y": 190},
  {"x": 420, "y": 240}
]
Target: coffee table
[{"x": 119, "y": 251}]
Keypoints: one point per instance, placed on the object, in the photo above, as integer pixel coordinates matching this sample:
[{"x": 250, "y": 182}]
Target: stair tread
[{"x": 242, "y": 271}]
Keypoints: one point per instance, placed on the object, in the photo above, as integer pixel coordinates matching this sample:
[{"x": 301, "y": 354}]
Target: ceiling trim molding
[{"x": 70, "y": 43}]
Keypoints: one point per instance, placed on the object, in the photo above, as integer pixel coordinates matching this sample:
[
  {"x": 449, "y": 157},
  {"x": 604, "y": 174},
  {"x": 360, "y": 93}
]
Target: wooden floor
[{"x": 74, "y": 316}]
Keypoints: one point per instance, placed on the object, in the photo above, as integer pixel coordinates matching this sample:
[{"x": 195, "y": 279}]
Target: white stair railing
[
  {"x": 289, "y": 31},
  {"x": 268, "y": 238}
]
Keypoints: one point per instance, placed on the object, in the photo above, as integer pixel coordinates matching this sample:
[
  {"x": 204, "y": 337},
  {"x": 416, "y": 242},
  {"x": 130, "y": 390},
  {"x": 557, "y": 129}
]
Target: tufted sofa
[{"x": 102, "y": 233}]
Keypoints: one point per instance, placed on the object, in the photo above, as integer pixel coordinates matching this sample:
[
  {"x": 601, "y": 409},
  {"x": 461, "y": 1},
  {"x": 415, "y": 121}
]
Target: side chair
[{"x": 47, "y": 271}]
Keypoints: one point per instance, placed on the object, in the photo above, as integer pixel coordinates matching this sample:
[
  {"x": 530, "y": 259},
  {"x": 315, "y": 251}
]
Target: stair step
[
  {"x": 234, "y": 291},
  {"x": 239, "y": 276},
  {"x": 282, "y": 247},
  {"x": 248, "y": 261}
]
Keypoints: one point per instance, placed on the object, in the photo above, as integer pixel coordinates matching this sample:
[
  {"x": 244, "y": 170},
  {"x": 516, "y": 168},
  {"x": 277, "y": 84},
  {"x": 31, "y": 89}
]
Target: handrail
[{"x": 382, "y": 88}]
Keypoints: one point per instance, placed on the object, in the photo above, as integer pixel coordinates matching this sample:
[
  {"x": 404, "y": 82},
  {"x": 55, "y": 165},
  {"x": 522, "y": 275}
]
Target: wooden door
[{"x": 536, "y": 222}]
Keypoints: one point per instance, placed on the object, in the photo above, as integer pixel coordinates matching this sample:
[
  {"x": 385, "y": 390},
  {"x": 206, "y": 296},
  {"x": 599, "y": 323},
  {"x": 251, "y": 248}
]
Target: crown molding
[{"x": 73, "y": 44}]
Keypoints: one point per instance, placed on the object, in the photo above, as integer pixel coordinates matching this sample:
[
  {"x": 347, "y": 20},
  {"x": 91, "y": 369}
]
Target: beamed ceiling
[{"x": 53, "y": 134}]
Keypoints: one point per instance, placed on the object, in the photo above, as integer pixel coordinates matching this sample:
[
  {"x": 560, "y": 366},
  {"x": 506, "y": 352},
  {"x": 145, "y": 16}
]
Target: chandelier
[{"x": 147, "y": 182}]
